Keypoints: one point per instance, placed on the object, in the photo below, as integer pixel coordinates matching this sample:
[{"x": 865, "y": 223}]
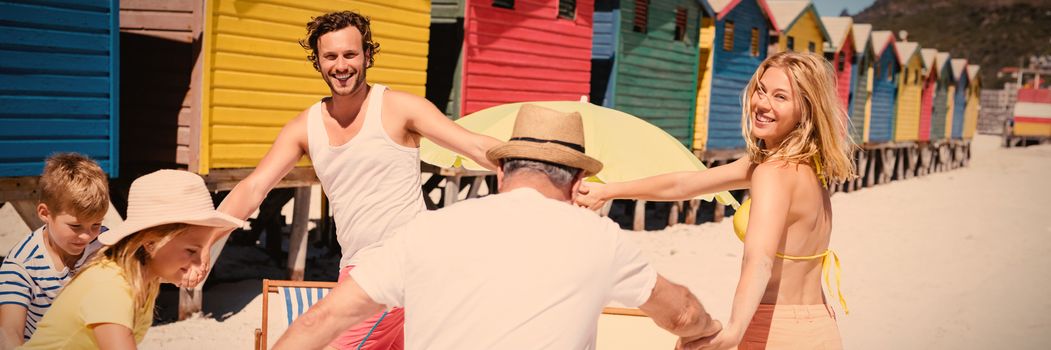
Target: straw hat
[
  {"x": 168, "y": 197},
  {"x": 547, "y": 135}
]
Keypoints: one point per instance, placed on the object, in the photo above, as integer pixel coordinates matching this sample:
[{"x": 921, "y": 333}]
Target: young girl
[
  {"x": 109, "y": 304},
  {"x": 797, "y": 146}
]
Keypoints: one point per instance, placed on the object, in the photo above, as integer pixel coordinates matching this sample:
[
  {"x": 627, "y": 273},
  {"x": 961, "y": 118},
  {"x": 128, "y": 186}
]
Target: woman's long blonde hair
[
  {"x": 131, "y": 256},
  {"x": 822, "y": 128}
]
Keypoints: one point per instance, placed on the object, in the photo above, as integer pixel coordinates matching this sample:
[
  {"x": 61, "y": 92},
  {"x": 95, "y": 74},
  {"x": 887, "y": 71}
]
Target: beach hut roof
[
  {"x": 706, "y": 6},
  {"x": 972, "y": 71},
  {"x": 785, "y": 13},
  {"x": 941, "y": 60},
  {"x": 862, "y": 34},
  {"x": 722, "y": 7},
  {"x": 838, "y": 28},
  {"x": 958, "y": 67},
  {"x": 881, "y": 40},
  {"x": 906, "y": 50},
  {"x": 929, "y": 57}
]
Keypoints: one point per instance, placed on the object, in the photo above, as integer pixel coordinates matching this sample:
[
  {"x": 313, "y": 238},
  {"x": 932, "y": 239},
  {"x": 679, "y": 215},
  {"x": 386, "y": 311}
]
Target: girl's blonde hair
[
  {"x": 130, "y": 255},
  {"x": 822, "y": 128}
]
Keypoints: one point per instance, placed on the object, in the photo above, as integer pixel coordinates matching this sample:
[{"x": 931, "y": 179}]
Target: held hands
[
  {"x": 723, "y": 340},
  {"x": 590, "y": 195}
]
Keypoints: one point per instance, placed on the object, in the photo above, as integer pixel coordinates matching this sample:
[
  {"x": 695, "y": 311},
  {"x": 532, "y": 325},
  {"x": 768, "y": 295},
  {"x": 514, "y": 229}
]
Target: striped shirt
[{"x": 29, "y": 278}]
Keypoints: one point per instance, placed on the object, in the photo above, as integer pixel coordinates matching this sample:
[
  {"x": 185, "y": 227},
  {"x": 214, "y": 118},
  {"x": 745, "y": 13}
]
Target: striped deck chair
[
  {"x": 293, "y": 299},
  {"x": 621, "y": 328}
]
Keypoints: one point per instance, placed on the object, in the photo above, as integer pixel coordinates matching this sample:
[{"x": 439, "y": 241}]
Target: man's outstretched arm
[
  {"x": 345, "y": 306},
  {"x": 677, "y": 310},
  {"x": 424, "y": 118},
  {"x": 248, "y": 194}
]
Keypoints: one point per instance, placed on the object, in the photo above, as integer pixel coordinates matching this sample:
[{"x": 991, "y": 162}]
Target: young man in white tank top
[{"x": 363, "y": 142}]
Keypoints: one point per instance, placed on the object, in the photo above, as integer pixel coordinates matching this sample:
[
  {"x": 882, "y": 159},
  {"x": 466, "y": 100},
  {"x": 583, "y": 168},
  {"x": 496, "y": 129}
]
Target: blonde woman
[
  {"x": 109, "y": 303},
  {"x": 797, "y": 145}
]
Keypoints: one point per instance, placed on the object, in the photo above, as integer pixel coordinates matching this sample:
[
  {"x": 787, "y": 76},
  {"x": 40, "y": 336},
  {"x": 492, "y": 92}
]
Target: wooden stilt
[
  {"x": 870, "y": 171},
  {"x": 863, "y": 167},
  {"x": 452, "y": 190},
  {"x": 914, "y": 162},
  {"x": 691, "y": 211},
  {"x": 890, "y": 161},
  {"x": 476, "y": 184},
  {"x": 720, "y": 212},
  {"x": 297, "y": 243},
  {"x": 639, "y": 223},
  {"x": 673, "y": 213},
  {"x": 605, "y": 208}
]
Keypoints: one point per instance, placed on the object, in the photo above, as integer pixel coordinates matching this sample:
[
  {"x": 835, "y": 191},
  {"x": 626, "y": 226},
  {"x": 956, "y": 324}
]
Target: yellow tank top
[{"x": 828, "y": 257}]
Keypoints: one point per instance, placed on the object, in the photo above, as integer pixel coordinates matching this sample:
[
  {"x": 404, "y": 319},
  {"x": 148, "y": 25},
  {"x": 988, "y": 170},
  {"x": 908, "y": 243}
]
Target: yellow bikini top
[{"x": 828, "y": 256}]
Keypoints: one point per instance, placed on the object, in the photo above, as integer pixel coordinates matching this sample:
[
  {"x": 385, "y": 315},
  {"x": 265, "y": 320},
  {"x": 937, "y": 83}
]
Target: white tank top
[{"x": 372, "y": 182}]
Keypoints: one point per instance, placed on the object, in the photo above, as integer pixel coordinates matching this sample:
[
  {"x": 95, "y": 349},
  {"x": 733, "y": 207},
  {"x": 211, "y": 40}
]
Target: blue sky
[{"x": 833, "y": 7}]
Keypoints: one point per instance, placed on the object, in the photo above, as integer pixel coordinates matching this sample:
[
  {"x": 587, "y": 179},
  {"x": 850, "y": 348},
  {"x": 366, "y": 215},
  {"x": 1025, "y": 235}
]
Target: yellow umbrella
[{"x": 629, "y": 147}]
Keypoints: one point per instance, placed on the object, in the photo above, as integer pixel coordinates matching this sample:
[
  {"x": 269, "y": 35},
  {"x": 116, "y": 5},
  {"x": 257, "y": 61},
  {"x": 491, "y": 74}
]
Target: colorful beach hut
[
  {"x": 797, "y": 26},
  {"x": 512, "y": 51},
  {"x": 732, "y": 45},
  {"x": 886, "y": 77},
  {"x": 944, "y": 88},
  {"x": 840, "y": 51},
  {"x": 651, "y": 71},
  {"x": 929, "y": 84},
  {"x": 59, "y": 85},
  {"x": 974, "y": 91},
  {"x": 910, "y": 90},
  {"x": 959, "y": 96},
  {"x": 234, "y": 74},
  {"x": 860, "y": 108}
]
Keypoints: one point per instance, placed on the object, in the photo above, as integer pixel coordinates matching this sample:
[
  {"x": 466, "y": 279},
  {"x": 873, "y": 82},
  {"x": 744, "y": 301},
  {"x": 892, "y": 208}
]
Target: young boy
[{"x": 74, "y": 197}]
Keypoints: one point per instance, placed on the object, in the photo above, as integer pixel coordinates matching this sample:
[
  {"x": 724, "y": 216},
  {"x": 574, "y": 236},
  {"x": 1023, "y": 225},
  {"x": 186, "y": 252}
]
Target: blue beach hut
[
  {"x": 732, "y": 47},
  {"x": 58, "y": 83},
  {"x": 959, "y": 101},
  {"x": 884, "y": 87}
]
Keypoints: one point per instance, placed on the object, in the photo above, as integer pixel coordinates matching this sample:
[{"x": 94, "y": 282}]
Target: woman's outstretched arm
[{"x": 669, "y": 187}]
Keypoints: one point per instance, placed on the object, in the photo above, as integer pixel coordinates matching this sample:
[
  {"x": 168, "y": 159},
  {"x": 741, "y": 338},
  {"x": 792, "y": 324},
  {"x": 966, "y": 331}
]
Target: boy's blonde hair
[
  {"x": 130, "y": 255},
  {"x": 822, "y": 128},
  {"x": 74, "y": 184}
]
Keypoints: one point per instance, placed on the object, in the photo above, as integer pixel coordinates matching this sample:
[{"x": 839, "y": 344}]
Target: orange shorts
[
  {"x": 792, "y": 327},
  {"x": 383, "y": 331}
]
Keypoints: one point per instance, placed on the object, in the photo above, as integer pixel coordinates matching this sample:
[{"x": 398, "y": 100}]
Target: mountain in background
[{"x": 990, "y": 33}]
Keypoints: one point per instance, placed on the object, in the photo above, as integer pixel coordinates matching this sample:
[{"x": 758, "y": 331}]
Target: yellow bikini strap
[
  {"x": 829, "y": 258},
  {"x": 817, "y": 168}
]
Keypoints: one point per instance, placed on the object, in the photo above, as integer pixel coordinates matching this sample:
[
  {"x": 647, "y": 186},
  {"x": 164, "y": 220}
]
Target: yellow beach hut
[
  {"x": 797, "y": 26},
  {"x": 910, "y": 90},
  {"x": 974, "y": 90},
  {"x": 258, "y": 78},
  {"x": 234, "y": 73}
]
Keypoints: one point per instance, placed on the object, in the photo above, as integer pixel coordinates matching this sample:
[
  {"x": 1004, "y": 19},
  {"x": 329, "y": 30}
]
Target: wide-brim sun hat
[
  {"x": 168, "y": 197},
  {"x": 547, "y": 135}
]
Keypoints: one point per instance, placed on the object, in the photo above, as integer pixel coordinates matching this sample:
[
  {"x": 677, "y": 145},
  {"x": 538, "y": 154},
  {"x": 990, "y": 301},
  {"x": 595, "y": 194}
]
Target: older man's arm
[
  {"x": 677, "y": 310},
  {"x": 345, "y": 306}
]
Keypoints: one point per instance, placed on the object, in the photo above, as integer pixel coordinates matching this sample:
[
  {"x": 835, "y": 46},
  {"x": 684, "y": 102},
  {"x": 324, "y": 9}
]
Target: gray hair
[{"x": 560, "y": 175}]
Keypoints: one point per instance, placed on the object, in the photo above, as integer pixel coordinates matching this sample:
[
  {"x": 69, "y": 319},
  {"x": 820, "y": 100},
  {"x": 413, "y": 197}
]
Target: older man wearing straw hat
[{"x": 523, "y": 269}]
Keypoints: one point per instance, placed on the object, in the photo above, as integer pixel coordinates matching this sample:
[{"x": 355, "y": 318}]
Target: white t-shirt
[{"x": 510, "y": 271}]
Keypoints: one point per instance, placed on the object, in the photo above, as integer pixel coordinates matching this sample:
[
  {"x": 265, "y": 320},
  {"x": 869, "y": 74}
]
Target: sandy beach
[{"x": 954, "y": 260}]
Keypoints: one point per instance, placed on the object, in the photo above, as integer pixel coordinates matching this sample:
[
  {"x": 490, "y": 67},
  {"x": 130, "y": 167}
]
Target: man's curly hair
[{"x": 334, "y": 21}]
